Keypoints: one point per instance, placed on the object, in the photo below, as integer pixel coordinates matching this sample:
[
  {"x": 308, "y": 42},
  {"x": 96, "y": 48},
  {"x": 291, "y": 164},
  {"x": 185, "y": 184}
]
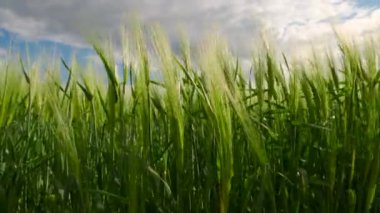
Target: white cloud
[
  {"x": 290, "y": 24},
  {"x": 27, "y": 27},
  {"x": 296, "y": 24}
]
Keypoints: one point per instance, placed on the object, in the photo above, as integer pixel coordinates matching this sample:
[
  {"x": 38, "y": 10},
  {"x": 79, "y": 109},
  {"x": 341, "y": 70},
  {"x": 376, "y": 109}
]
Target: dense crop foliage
[{"x": 200, "y": 136}]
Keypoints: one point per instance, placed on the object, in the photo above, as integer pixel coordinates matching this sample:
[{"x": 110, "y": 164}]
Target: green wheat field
[{"x": 197, "y": 134}]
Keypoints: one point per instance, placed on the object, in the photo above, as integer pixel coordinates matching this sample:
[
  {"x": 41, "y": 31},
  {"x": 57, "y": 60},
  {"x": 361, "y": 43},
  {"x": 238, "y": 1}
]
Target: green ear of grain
[{"x": 111, "y": 74}]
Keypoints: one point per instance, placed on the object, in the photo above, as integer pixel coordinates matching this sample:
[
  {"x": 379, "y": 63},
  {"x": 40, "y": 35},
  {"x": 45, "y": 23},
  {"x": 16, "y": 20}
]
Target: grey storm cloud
[
  {"x": 241, "y": 21},
  {"x": 67, "y": 21}
]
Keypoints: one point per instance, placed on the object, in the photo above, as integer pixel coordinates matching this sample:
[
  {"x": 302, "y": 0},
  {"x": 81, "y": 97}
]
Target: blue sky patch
[
  {"x": 368, "y": 3},
  {"x": 34, "y": 48}
]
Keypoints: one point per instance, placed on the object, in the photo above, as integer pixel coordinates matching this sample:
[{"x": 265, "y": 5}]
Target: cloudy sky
[{"x": 290, "y": 24}]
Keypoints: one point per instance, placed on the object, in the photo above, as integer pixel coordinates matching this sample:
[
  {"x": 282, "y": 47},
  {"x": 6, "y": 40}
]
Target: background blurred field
[{"x": 197, "y": 135}]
